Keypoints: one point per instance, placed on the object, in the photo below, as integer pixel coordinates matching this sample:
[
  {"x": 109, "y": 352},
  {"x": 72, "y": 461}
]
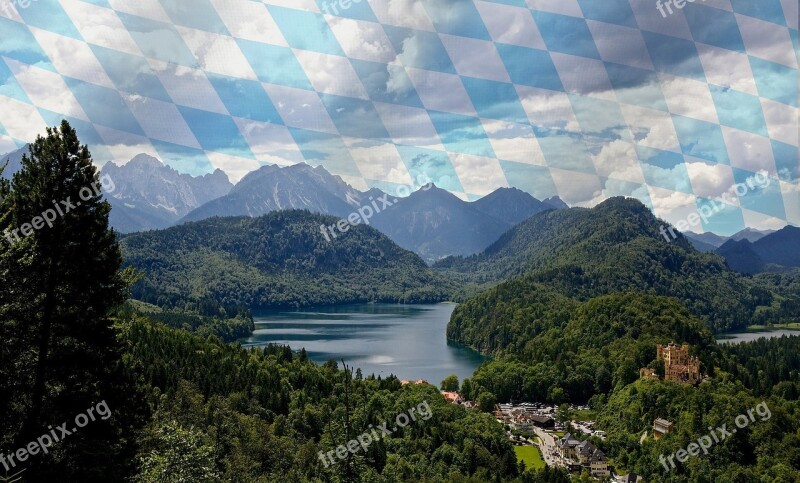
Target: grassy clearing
[
  {"x": 530, "y": 455},
  {"x": 585, "y": 415}
]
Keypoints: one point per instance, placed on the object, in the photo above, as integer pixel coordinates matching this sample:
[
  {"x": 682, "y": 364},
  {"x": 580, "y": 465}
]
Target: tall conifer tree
[{"x": 62, "y": 280}]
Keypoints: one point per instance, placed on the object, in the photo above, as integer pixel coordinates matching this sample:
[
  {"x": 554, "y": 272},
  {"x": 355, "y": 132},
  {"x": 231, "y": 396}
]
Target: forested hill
[
  {"x": 576, "y": 235},
  {"x": 615, "y": 247},
  {"x": 278, "y": 260},
  {"x": 552, "y": 348}
]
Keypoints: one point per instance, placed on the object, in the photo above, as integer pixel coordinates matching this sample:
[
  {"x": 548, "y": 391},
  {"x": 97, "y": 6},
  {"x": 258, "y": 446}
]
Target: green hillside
[
  {"x": 614, "y": 247},
  {"x": 278, "y": 260},
  {"x": 558, "y": 350}
]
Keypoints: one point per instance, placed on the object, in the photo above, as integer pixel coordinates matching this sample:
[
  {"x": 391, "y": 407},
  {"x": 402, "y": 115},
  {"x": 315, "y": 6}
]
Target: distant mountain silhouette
[
  {"x": 741, "y": 256},
  {"x": 14, "y": 159},
  {"x": 434, "y": 223},
  {"x": 274, "y": 188},
  {"x": 556, "y": 203},
  {"x": 709, "y": 242},
  {"x": 431, "y": 222},
  {"x": 751, "y": 234},
  {"x": 773, "y": 252},
  {"x": 510, "y": 205},
  {"x": 149, "y": 195}
]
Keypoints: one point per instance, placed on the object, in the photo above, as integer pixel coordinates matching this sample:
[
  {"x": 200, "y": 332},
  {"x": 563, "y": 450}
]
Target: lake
[
  {"x": 736, "y": 338},
  {"x": 382, "y": 339}
]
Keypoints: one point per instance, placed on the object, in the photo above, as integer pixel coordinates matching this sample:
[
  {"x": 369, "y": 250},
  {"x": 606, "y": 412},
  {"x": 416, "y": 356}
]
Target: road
[{"x": 549, "y": 448}]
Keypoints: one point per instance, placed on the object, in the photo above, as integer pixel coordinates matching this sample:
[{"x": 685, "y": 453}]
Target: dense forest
[
  {"x": 593, "y": 354},
  {"x": 224, "y": 413},
  {"x": 278, "y": 260},
  {"x": 559, "y": 350},
  {"x": 766, "y": 450},
  {"x": 587, "y": 296},
  {"x": 218, "y": 324}
]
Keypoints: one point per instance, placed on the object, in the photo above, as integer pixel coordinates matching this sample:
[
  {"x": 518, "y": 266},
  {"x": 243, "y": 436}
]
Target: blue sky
[{"x": 573, "y": 98}]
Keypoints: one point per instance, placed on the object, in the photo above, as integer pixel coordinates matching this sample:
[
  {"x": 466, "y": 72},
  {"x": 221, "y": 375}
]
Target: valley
[{"x": 244, "y": 309}]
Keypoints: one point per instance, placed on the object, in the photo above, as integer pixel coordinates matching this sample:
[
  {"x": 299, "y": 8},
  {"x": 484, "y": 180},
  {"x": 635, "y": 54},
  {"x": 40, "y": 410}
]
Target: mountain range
[
  {"x": 430, "y": 222},
  {"x": 775, "y": 252},
  {"x": 708, "y": 241},
  {"x": 148, "y": 195},
  {"x": 554, "y": 258},
  {"x": 274, "y": 188},
  {"x": 434, "y": 223}
]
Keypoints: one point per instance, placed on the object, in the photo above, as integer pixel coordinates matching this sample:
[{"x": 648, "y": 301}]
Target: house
[
  {"x": 584, "y": 451},
  {"x": 631, "y": 478},
  {"x": 521, "y": 422},
  {"x": 593, "y": 459},
  {"x": 598, "y": 464},
  {"x": 453, "y": 397},
  {"x": 661, "y": 427},
  {"x": 566, "y": 446},
  {"x": 584, "y": 455},
  {"x": 544, "y": 422}
]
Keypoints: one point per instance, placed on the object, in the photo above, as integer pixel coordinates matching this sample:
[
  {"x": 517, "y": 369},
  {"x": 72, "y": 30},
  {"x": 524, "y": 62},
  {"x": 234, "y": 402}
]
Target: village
[{"x": 563, "y": 439}]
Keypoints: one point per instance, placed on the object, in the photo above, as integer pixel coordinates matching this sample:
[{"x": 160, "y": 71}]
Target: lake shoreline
[
  {"x": 755, "y": 332},
  {"x": 408, "y": 341}
]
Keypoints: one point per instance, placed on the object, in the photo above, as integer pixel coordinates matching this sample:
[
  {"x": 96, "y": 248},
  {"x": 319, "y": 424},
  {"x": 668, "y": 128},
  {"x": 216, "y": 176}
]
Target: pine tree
[{"x": 61, "y": 267}]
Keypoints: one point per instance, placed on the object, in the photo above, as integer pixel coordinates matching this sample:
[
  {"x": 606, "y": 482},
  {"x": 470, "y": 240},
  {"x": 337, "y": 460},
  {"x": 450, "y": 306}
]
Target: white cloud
[
  {"x": 689, "y": 98},
  {"x": 188, "y": 87},
  {"x": 362, "y": 40},
  {"x": 402, "y": 13},
  {"x": 216, "y": 53},
  {"x": 710, "y": 180},
  {"x": 618, "y": 160},
  {"x": 100, "y": 26},
  {"x": 249, "y": 20},
  {"x": 478, "y": 175},
  {"x": 331, "y": 74},
  {"x": 46, "y": 89}
]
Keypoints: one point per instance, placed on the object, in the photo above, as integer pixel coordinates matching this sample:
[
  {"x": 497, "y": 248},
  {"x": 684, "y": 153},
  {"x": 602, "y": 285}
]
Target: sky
[{"x": 581, "y": 99}]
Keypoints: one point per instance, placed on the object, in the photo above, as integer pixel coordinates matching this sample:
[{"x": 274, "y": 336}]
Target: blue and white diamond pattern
[{"x": 573, "y": 98}]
